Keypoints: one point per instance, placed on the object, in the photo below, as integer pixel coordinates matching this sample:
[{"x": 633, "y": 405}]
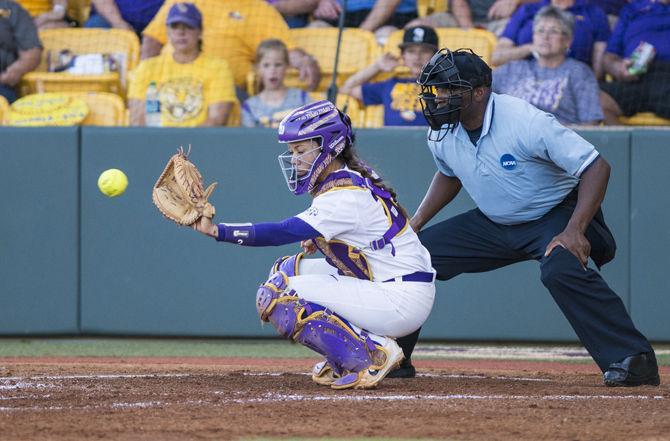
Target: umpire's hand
[{"x": 574, "y": 241}]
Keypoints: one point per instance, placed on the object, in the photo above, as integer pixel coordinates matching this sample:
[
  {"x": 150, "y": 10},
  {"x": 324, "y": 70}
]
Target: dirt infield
[{"x": 234, "y": 398}]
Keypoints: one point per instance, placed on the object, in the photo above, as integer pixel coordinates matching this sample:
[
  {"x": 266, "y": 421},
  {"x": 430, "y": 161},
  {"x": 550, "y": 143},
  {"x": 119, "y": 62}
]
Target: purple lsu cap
[{"x": 186, "y": 13}]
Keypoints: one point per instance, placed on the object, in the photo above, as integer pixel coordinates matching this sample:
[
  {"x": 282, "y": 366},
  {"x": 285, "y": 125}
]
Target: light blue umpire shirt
[{"x": 524, "y": 164}]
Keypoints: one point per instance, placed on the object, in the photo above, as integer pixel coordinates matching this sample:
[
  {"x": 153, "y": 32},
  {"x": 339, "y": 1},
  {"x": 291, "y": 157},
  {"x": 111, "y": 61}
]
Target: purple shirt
[
  {"x": 569, "y": 91},
  {"x": 609, "y": 6},
  {"x": 642, "y": 20},
  {"x": 591, "y": 26},
  {"x": 138, "y": 13},
  {"x": 400, "y": 97}
]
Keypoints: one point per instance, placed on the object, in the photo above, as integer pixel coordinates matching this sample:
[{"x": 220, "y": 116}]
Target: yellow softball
[{"x": 112, "y": 182}]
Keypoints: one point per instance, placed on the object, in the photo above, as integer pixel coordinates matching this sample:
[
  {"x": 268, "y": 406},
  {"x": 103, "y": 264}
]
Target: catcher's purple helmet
[{"x": 323, "y": 122}]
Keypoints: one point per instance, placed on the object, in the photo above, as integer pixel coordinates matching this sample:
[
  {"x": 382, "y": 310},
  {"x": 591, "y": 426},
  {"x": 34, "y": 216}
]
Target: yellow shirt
[
  {"x": 232, "y": 29},
  {"x": 185, "y": 90}
]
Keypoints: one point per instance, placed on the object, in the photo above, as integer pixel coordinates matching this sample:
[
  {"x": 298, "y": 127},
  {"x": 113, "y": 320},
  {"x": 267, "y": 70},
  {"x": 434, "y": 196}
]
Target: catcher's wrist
[{"x": 241, "y": 234}]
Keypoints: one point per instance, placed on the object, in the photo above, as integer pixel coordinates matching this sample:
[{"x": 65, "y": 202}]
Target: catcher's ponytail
[{"x": 350, "y": 157}]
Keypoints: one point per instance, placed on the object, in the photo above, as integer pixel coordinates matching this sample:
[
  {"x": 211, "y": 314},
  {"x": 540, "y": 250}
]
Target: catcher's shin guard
[
  {"x": 333, "y": 337},
  {"x": 312, "y": 325}
]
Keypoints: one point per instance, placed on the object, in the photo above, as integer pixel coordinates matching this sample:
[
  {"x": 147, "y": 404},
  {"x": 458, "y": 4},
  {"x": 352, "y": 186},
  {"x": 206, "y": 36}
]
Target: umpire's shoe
[
  {"x": 636, "y": 370},
  {"x": 404, "y": 370}
]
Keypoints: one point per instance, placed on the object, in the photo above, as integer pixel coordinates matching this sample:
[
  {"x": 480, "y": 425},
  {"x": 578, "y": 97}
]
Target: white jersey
[{"x": 352, "y": 215}]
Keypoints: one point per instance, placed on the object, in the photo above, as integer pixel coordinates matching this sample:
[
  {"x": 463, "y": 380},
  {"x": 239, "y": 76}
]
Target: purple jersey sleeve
[{"x": 266, "y": 234}]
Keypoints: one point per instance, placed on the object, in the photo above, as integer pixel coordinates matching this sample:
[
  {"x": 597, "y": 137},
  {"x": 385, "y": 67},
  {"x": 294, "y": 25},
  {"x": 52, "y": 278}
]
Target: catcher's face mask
[
  {"x": 321, "y": 128},
  {"x": 298, "y": 162}
]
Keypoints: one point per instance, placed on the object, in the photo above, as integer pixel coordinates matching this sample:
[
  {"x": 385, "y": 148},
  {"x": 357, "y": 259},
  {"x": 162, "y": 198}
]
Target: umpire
[{"x": 538, "y": 187}]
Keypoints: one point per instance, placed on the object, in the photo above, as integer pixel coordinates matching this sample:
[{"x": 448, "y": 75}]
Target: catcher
[{"x": 376, "y": 282}]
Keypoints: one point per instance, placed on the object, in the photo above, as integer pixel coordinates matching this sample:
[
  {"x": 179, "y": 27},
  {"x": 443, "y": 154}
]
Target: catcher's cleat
[
  {"x": 323, "y": 374},
  {"x": 386, "y": 359}
]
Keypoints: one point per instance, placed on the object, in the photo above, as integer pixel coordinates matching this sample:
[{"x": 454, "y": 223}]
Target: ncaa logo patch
[{"x": 508, "y": 161}]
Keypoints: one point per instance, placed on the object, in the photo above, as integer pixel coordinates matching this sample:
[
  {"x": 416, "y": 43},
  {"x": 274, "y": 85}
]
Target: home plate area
[{"x": 213, "y": 399}]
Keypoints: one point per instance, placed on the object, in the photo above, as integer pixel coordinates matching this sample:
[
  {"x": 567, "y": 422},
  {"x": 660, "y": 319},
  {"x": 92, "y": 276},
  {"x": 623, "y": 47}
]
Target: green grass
[
  {"x": 165, "y": 347},
  {"x": 134, "y": 347}
]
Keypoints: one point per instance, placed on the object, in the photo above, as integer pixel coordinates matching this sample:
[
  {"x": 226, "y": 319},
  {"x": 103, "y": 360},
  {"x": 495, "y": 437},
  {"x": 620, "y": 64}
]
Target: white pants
[{"x": 391, "y": 309}]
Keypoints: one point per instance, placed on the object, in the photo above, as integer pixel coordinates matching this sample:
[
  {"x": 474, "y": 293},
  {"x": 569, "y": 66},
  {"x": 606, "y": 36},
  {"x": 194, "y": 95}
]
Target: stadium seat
[
  {"x": 36, "y": 7},
  {"x": 374, "y": 116},
  {"x": 47, "y": 109},
  {"x": 104, "y": 109},
  {"x": 482, "y": 42},
  {"x": 644, "y": 119},
  {"x": 235, "y": 117},
  {"x": 122, "y": 44},
  {"x": 427, "y": 7},
  {"x": 76, "y": 9},
  {"x": 4, "y": 109},
  {"x": 357, "y": 50}
]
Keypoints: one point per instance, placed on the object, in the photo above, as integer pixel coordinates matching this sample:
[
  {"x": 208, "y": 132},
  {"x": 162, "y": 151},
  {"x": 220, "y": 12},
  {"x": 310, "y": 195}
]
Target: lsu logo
[{"x": 508, "y": 161}]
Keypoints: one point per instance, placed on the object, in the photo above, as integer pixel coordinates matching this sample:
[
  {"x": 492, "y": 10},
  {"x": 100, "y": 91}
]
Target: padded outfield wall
[{"x": 77, "y": 262}]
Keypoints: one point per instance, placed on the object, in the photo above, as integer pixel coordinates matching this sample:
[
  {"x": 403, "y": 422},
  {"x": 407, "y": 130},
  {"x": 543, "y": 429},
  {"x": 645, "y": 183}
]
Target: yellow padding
[
  {"x": 47, "y": 109},
  {"x": 4, "y": 109},
  {"x": 482, "y": 42},
  {"x": 644, "y": 119}
]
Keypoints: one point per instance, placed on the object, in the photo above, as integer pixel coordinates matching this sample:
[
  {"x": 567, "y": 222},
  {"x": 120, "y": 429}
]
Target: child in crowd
[
  {"x": 274, "y": 100},
  {"x": 399, "y": 94}
]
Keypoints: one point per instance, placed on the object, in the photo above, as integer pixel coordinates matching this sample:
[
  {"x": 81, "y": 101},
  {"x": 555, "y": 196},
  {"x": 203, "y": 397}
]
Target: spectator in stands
[
  {"x": 628, "y": 94},
  {"x": 122, "y": 14},
  {"x": 399, "y": 94},
  {"x": 491, "y": 15},
  {"x": 275, "y": 100},
  {"x": 233, "y": 30},
  {"x": 20, "y": 47},
  {"x": 379, "y": 16},
  {"x": 611, "y": 8},
  {"x": 194, "y": 89},
  {"x": 588, "y": 42},
  {"x": 550, "y": 80},
  {"x": 295, "y": 12},
  {"x": 51, "y": 14}
]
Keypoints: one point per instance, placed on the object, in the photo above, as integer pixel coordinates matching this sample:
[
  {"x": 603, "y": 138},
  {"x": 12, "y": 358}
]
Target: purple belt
[{"x": 419, "y": 276}]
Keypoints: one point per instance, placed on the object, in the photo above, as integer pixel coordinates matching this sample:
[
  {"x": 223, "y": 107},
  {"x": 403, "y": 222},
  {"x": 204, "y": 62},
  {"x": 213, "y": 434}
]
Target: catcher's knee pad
[
  {"x": 269, "y": 292},
  {"x": 287, "y": 264},
  {"x": 333, "y": 337}
]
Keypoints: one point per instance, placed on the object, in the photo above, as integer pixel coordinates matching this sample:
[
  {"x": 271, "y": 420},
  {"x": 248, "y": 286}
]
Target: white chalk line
[
  {"x": 10, "y": 383},
  {"x": 414, "y": 397},
  {"x": 94, "y": 376},
  {"x": 421, "y": 374},
  {"x": 274, "y": 398}
]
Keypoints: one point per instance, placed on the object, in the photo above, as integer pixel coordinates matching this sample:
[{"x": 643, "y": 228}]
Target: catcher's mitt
[{"x": 179, "y": 193}]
